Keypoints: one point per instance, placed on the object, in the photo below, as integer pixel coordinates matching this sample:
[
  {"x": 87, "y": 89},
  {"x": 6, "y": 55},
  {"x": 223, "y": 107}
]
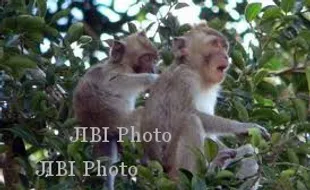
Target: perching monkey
[
  {"x": 182, "y": 101},
  {"x": 106, "y": 95}
]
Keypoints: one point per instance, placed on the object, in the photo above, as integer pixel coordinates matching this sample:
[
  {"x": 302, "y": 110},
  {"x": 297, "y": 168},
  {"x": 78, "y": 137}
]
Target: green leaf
[
  {"x": 198, "y": 183},
  {"x": 255, "y": 136},
  {"x": 50, "y": 31},
  {"x": 73, "y": 148},
  {"x": 56, "y": 142},
  {"x": 144, "y": 172},
  {"x": 35, "y": 36},
  {"x": 267, "y": 55},
  {"x": 183, "y": 29},
  {"x": 305, "y": 176},
  {"x": 154, "y": 165},
  {"x": 241, "y": 109},
  {"x": 275, "y": 138},
  {"x": 224, "y": 174},
  {"x": 264, "y": 101},
  {"x": 18, "y": 5},
  {"x": 252, "y": 10},
  {"x": 185, "y": 178},
  {"x": 85, "y": 39},
  {"x": 267, "y": 89},
  {"x": 248, "y": 184},
  {"x": 42, "y": 7},
  {"x": 74, "y": 32},
  {"x": 166, "y": 184},
  {"x": 272, "y": 13},
  {"x": 308, "y": 78},
  {"x": 259, "y": 76},
  {"x": 63, "y": 185},
  {"x": 300, "y": 42},
  {"x": 59, "y": 14},
  {"x": 198, "y": 1},
  {"x": 40, "y": 184},
  {"x": 50, "y": 75},
  {"x": 287, "y": 5},
  {"x": 181, "y": 5},
  {"x": 167, "y": 56},
  {"x": 3, "y": 148},
  {"x": 301, "y": 109},
  {"x": 1, "y": 52},
  {"x": 238, "y": 59},
  {"x": 20, "y": 62},
  {"x": 164, "y": 33},
  {"x": 301, "y": 186},
  {"x": 292, "y": 156},
  {"x": 217, "y": 23},
  {"x": 37, "y": 99},
  {"x": 30, "y": 23},
  {"x": 288, "y": 173},
  {"x": 149, "y": 26},
  {"x": 210, "y": 149},
  {"x": 69, "y": 123},
  {"x": 25, "y": 133},
  {"x": 265, "y": 114},
  {"x": 132, "y": 27}
]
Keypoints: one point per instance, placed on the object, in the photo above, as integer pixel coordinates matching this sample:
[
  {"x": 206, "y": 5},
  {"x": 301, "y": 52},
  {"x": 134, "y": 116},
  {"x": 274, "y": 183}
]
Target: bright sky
[{"x": 188, "y": 14}]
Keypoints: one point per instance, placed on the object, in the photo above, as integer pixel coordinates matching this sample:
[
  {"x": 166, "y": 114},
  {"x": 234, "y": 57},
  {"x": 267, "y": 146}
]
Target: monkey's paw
[
  {"x": 224, "y": 155},
  {"x": 263, "y": 131}
]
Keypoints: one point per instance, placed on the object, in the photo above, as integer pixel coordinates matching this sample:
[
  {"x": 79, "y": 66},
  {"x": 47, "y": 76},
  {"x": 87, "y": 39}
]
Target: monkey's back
[
  {"x": 170, "y": 103},
  {"x": 96, "y": 101}
]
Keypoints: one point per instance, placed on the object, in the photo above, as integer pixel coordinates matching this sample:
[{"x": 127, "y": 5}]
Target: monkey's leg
[
  {"x": 180, "y": 154},
  {"x": 248, "y": 165}
]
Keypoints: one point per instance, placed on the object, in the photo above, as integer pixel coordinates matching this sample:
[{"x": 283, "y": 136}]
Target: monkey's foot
[
  {"x": 224, "y": 155},
  {"x": 249, "y": 168}
]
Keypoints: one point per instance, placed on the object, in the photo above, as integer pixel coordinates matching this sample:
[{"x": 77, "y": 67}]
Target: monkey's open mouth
[{"x": 222, "y": 68}]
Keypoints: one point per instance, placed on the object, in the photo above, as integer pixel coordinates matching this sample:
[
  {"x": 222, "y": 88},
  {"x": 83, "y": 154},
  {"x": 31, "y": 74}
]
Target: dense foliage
[{"x": 268, "y": 83}]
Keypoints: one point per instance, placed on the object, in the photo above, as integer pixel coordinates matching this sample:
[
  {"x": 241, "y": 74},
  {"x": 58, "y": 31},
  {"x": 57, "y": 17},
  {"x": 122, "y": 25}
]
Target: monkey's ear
[
  {"x": 109, "y": 42},
  {"x": 179, "y": 47},
  {"x": 142, "y": 33},
  {"x": 178, "y": 43},
  {"x": 117, "y": 51}
]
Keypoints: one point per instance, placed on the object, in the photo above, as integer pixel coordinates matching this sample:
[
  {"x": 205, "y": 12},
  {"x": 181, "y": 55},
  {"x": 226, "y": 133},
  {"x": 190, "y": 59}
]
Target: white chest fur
[{"x": 206, "y": 100}]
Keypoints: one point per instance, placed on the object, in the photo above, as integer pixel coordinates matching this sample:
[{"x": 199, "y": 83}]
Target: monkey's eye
[
  {"x": 147, "y": 58},
  {"x": 225, "y": 45},
  {"x": 214, "y": 42}
]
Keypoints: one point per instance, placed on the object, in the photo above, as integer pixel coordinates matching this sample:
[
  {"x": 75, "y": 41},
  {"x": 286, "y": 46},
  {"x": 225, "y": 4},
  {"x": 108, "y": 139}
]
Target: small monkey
[
  {"x": 105, "y": 96},
  {"x": 182, "y": 101}
]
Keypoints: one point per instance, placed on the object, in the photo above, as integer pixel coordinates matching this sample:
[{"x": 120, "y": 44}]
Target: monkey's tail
[{"x": 114, "y": 159}]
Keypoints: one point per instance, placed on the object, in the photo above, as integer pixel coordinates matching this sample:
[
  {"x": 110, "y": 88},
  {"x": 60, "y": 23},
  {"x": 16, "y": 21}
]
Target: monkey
[
  {"x": 182, "y": 101},
  {"x": 105, "y": 96}
]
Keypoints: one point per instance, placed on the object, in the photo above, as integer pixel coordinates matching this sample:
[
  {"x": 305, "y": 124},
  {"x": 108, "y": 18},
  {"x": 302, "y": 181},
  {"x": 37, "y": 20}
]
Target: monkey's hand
[
  {"x": 151, "y": 79},
  {"x": 266, "y": 135},
  {"x": 224, "y": 155}
]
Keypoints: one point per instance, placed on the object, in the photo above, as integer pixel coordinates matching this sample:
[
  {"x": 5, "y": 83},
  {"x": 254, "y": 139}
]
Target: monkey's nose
[
  {"x": 224, "y": 56},
  {"x": 154, "y": 69}
]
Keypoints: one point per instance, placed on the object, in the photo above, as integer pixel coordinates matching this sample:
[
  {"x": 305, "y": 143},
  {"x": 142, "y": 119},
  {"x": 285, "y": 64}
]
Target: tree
[{"x": 268, "y": 83}]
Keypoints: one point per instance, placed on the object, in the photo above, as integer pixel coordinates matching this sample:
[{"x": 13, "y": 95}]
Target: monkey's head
[
  {"x": 205, "y": 50},
  {"x": 135, "y": 51}
]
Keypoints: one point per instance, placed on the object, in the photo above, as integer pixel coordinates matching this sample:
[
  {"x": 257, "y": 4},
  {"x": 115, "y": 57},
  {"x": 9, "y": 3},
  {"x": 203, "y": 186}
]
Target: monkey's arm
[
  {"x": 134, "y": 80},
  {"x": 219, "y": 125}
]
